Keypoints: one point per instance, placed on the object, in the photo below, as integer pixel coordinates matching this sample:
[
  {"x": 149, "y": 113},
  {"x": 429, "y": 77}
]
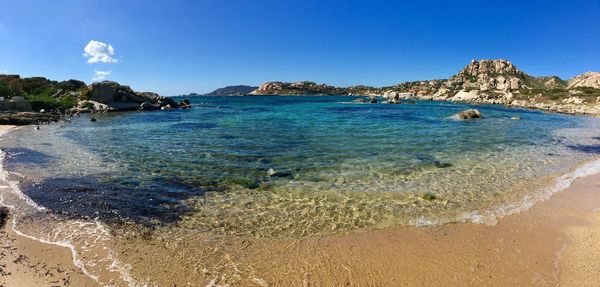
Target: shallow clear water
[{"x": 340, "y": 166}]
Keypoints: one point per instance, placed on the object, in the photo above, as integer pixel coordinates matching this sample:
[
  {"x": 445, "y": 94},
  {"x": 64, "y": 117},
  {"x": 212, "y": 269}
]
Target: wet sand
[
  {"x": 555, "y": 243},
  {"x": 27, "y": 262}
]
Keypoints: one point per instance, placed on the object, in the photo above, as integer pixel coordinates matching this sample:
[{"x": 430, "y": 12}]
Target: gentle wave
[
  {"x": 561, "y": 183},
  {"x": 97, "y": 231}
]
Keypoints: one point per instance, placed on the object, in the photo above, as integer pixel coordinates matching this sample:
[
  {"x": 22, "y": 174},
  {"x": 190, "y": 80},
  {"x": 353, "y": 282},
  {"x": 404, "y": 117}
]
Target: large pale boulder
[
  {"x": 466, "y": 96},
  {"x": 589, "y": 79},
  {"x": 120, "y": 97},
  {"x": 469, "y": 114},
  {"x": 573, "y": 100}
]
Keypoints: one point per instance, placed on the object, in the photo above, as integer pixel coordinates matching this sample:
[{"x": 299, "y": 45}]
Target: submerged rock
[
  {"x": 279, "y": 173},
  {"x": 469, "y": 114},
  {"x": 185, "y": 104},
  {"x": 360, "y": 100},
  {"x": 429, "y": 196}
]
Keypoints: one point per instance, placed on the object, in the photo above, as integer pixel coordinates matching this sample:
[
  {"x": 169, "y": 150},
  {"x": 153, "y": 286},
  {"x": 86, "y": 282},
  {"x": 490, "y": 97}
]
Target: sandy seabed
[{"x": 555, "y": 243}]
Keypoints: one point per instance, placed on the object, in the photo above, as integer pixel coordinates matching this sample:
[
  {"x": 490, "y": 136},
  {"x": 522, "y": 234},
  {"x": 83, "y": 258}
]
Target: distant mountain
[{"x": 239, "y": 90}]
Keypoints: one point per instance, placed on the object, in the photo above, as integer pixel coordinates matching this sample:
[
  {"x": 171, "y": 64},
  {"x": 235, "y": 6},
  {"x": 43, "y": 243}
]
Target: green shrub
[{"x": 44, "y": 100}]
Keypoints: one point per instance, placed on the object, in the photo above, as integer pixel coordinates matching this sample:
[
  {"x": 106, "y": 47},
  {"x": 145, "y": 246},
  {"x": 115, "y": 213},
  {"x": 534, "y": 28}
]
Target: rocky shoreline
[
  {"x": 50, "y": 101},
  {"x": 28, "y": 118},
  {"x": 480, "y": 82},
  {"x": 557, "y": 107}
]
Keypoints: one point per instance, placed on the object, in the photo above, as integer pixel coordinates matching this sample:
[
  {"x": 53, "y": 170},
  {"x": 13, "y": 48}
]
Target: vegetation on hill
[{"x": 42, "y": 93}]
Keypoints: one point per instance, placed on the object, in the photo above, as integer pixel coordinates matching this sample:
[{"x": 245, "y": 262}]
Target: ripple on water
[{"x": 343, "y": 167}]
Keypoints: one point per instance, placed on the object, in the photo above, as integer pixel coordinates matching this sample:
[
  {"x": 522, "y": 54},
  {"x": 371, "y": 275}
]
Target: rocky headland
[
  {"x": 481, "y": 82},
  {"x": 310, "y": 88},
  {"x": 239, "y": 90},
  {"x": 38, "y": 100}
]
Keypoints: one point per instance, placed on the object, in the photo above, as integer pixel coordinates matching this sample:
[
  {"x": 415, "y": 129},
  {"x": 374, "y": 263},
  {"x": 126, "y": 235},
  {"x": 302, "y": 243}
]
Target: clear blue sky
[{"x": 174, "y": 47}]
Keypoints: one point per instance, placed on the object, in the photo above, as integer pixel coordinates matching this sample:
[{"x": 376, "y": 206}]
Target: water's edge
[
  {"x": 489, "y": 216},
  {"x": 13, "y": 186}
]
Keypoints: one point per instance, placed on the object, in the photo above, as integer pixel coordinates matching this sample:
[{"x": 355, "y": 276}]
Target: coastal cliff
[{"x": 484, "y": 82}]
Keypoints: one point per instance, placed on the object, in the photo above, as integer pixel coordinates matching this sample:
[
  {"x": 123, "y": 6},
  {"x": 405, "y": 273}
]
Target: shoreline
[
  {"x": 26, "y": 261},
  {"x": 29, "y": 261},
  {"x": 552, "y": 107},
  {"x": 553, "y": 242}
]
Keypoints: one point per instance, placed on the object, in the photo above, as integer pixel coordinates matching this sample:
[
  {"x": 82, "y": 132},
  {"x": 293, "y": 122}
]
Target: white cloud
[
  {"x": 100, "y": 75},
  {"x": 98, "y": 51},
  {"x": 3, "y": 71}
]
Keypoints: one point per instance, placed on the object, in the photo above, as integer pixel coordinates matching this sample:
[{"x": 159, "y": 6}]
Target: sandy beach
[
  {"x": 552, "y": 244},
  {"x": 27, "y": 262},
  {"x": 305, "y": 144}
]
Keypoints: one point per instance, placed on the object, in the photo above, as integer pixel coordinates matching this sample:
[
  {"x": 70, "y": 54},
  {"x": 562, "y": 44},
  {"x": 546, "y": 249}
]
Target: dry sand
[{"x": 555, "y": 243}]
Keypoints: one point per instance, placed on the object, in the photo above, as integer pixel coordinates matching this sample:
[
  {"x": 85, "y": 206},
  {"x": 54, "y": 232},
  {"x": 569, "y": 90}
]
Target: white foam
[
  {"x": 563, "y": 182},
  {"x": 98, "y": 228},
  {"x": 492, "y": 215}
]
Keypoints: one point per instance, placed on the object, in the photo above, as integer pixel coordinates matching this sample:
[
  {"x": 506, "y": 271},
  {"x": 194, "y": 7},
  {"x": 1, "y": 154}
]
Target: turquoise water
[{"x": 296, "y": 166}]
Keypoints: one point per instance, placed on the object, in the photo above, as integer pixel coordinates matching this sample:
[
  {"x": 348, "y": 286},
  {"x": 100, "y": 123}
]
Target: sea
[{"x": 232, "y": 170}]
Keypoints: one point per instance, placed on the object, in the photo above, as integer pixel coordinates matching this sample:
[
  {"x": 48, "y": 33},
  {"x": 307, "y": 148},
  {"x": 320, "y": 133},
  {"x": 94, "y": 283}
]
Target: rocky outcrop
[
  {"x": 239, "y": 90},
  {"x": 589, "y": 79},
  {"x": 311, "y": 88},
  {"x": 488, "y": 75},
  {"x": 116, "y": 97},
  {"x": 481, "y": 81},
  {"x": 501, "y": 82},
  {"x": 298, "y": 88},
  {"x": 464, "y": 96},
  {"x": 552, "y": 82},
  {"x": 393, "y": 97},
  {"x": 146, "y": 106},
  {"x": 573, "y": 100},
  {"x": 27, "y": 118},
  {"x": 469, "y": 114}
]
